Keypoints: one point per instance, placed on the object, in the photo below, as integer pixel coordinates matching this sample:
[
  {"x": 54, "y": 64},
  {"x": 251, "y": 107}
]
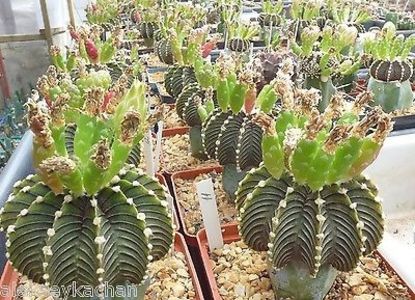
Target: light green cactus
[
  {"x": 87, "y": 218},
  {"x": 390, "y": 70},
  {"x": 324, "y": 54},
  {"x": 308, "y": 205}
]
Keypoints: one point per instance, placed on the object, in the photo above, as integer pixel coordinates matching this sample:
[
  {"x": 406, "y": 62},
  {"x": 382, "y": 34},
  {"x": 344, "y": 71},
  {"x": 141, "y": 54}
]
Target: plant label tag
[
  {"x": 208, "y": 206},
  {"x": 160, "y": 125},
  {"x": 169, "y": 200},
  {"x": 148, "y": 153}
]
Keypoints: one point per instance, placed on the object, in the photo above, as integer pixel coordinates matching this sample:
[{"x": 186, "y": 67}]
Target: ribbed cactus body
[
  {"x": 232, "y": 139},
  {"x": 147, "y": 29},
  {"x": 268, "y": 19},
  {"x": 388, "y": 71},
  {"x": 186, "y": 106},
  {"x": 334, "y": 226},
  {"x": 239, "y": 45},
  {"x": 164, "y": 51},
  {"x": 110, "y": 237},
  {"x": 177, "y": 77}
]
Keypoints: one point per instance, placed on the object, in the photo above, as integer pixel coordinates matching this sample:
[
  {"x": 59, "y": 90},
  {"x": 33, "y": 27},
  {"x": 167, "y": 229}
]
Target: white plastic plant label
[
  {"x": 169, "y": 200},
  {"x": 148, "y": 153},
  {"x": 207, "y": 200},
  {"x": 160, "y": 126}
]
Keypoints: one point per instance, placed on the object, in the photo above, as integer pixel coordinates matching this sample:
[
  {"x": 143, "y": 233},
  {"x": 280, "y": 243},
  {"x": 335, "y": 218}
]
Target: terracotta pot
[
  {"x": 189, "y": 174},
  {"x": 10, "y": 279},
  {"x": 174, "y": 130},
  {"x": 181, "y": 246},
  {"x": 8, "y": 283},
  {"x": 230, "y": 234}
]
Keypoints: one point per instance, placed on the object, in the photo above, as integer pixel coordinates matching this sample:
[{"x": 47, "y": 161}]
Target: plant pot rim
[
  {"x": 231, "y": 234},
  {"x": 163, "y": 181},
  {"x": 189, "y": 174},
  {"x": 10, "y": 278},
  {"x": 175, "y": 131}
]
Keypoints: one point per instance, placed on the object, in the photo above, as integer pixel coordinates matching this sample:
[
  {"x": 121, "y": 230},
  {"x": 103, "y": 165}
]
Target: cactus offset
[{"x": 308, "y": 205}]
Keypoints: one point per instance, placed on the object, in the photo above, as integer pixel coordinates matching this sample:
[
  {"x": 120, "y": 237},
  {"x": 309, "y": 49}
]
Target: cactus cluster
[
  {"x": 308, "y": 205},
  {"x": 390, "y": 69}
]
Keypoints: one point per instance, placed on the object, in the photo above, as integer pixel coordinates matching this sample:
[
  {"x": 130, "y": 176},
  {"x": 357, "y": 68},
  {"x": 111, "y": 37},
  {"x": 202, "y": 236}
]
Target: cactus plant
[
  {"x": 390, "y": 70},
  {"x": 229, "y": 134},
  {"x": 86, "y": 218},
  {"x": 326, "y": 53},
  {"x": 308, "y": 205},
  {"x": 239, "y": 36},
  {"x": 272, "y": 13}
]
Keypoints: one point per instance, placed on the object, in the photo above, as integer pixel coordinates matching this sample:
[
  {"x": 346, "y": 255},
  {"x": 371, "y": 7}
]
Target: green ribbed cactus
[
  {"x": 229, "y": 134},
  {"x": 87, "y": 218},
  {"x": 240, "y": 35},
  {"x": 390, "y": 70},
  {"x": 308, "y": 205},
  {"x": 272, "y": 13},
  {"x": 326, "y": 53}
]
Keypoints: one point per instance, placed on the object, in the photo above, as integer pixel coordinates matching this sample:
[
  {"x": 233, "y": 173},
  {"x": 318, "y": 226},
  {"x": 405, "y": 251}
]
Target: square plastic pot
[
  {"x": 230, "y": 234},
  {"x": 189, "y": 174},
  {"x": 10, "y": 279}
]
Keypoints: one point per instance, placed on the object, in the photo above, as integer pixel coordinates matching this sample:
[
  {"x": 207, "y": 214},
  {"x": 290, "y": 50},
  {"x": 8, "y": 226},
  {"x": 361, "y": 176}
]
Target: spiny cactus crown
[
  {"x": 327, "y": 51},
  {"x": 343, "y": 12},
  {"x": 272, "y": 7},
  {"x": 386, "y": 45},
  {"x": 306, "y": 10},
  {"x": 103, "y": 127},
  {"x": 320, "y": 149},
  {"x": 90, "y": 46},
  {"x": 102, "y": 11}
]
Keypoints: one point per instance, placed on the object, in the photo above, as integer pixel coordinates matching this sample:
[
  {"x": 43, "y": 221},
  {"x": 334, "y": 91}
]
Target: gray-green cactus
[
  {"x": 87, "y": 218},
  {"x": 390, "y": 70},
  {"x": 308, "y": 205}
]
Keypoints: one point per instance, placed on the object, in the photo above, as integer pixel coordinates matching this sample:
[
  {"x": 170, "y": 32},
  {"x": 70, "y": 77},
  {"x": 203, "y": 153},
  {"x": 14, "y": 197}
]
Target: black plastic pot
[{"x": 19, "y": 166}]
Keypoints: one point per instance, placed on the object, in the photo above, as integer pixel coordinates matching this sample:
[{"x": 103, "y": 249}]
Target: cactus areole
[
  {"x": 308, "y": 204},
  {"x": 87, "y": 218}
]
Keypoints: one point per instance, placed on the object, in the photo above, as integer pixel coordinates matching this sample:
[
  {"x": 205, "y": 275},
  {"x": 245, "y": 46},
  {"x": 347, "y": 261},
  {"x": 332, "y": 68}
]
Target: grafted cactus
[
  {"x": 229, "y": 133},
  {"x": 308, "y": 205},
  {"x": 87, "y": 218},
  {"x": 390, "y": 70},
  {"x": 324, "y": 54}
]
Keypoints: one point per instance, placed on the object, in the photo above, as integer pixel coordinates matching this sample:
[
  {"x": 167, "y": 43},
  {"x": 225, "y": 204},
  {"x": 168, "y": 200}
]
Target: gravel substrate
[
  {"x": 189, "y": 203},
  {"x": 171, "y": 280},
  {"x": 170, "y": 117},
  {"x": 177, "y": 155},
  {"x": 241, "y": 273}
]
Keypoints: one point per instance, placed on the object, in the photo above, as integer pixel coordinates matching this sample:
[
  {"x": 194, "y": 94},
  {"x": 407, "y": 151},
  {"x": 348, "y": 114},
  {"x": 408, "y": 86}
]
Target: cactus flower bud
[
  {"x": 102, "y": 154},
  {"x": 91, "y": 50}
]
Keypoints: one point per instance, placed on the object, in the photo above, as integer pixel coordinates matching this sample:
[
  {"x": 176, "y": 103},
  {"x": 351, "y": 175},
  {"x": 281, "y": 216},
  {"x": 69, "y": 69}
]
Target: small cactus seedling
[
  {"x": 308, "y": 205},
  {"x": 87, "y": 218},
  {"x": 239, "y": 36},
  {"x": 102, "y": 12},
  {"x": 390, "y": 70},
  {"x": 324, "y": 54},
  {"x": 272, "y": 13},
  {"x": 352, "y": 14}
]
